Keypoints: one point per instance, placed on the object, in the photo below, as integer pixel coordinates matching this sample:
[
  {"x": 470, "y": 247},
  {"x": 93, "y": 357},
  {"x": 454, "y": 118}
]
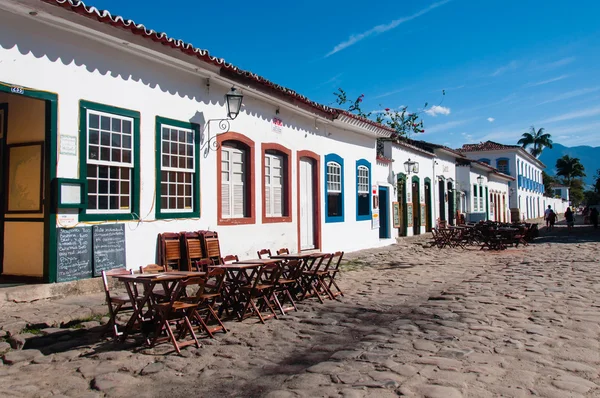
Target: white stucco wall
[
  {"x": 401, "y": 154},
  {"x": 46, "y": 58}
]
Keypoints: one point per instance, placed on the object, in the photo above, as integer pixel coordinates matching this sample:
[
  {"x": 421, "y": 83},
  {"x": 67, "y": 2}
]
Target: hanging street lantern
[
  {"x": 411, "y": 167},
  {"x": 234, "y": 103}
]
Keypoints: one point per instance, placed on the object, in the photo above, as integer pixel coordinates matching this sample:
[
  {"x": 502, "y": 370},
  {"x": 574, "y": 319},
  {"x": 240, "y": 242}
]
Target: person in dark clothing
[
  {"x": 552, "y": 219},
  {"x": 594, "y": 217},
  {"x": 570, "y": 219}
]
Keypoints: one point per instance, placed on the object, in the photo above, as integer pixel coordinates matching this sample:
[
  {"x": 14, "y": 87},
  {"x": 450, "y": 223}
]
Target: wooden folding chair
[
  {"x": 193, "y": 248},
  {"x": 174, "y": 316},
  {"x": 264, "y": 252},
  {"x": 230, "y": 258},
  {"x": 202, "y": 265},
  {"x": 212, "y": 248},
  {"x": 171, "y": 250},
  {"x": 257, "y": 295},
  {"x": 209, "y": 297},
  {"x": 288, "y": 279},
  {"x": 331, "y": 272},
  {"x": 116, "y": 304},
  {"x": 311, "y": 283},
  {"x": 283, "y": 251}
]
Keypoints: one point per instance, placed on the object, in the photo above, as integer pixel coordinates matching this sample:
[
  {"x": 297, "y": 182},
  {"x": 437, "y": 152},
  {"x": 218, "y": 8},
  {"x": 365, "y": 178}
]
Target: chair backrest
[
  {"x": 150, "y": 268},
  {"x": 211, "y": 246},
  {"x": 315, "y": 263},
  {"x": 292, "y": 269},
  {"x": 180, "y": 290},
  {"x": 171, "y": 250},
  {"x": 202, "y": 265},
  {"x": 193, "y": 247},
  {"x": 284, "y": 250},
  {"x": 230, "y": 258},
  {"x": 263, "y": 252},
  {"x": 336, "y": 261},
  {"x": 112, "y": 272},
  {"x": 214, "y": 280}
]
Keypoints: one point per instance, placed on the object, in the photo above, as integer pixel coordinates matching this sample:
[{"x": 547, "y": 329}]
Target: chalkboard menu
[
  {"x": 423, "y": 214},
  {"x": 109, "y": 247},
  {"x": 74, "y": 253},
  {"x": 409, "y": 212}
]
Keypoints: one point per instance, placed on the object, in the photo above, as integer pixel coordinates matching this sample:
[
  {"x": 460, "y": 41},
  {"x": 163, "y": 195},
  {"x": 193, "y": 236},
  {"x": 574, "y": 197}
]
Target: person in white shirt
[{"x": 546, "y": 214}]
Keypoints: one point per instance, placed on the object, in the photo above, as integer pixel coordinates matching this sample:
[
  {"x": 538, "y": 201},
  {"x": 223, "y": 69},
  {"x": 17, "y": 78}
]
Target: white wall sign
[
  {"x": 68, "y": 145},
  {"x": 67, "y": 220},
  {"x": 375, "y": 219},
  {"x": 277, "y": 125}
]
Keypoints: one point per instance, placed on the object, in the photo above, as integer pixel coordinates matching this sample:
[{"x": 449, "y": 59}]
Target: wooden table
[
  {"x": 236, "y": 275},
  {"x": 149, "y": 282},
  {"x": 259, "y": 261}
]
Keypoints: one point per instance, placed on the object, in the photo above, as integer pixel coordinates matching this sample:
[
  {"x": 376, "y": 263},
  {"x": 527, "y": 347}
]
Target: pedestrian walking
[
  {"x": 551, "y": 218},
  {"x": 594, "y": 217},
  {"x": 570, "y": 219},
  {"x": 546, "y": 214}
]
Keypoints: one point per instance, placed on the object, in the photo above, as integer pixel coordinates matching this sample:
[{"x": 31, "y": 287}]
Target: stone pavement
[{"x": 415, "y": 321}]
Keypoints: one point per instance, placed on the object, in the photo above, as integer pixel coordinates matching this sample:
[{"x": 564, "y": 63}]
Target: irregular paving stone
[
  {"x": 424, "y": 345},
  {"x": 152, "y": 368},
  {"x": 577, "y": 367},
  {"x": 434, "y": 391},
  {"x": 13, "y": 357},
  {"x": 574, "y": 384},
  {"x": 442, "y": 363},
  {"x": 4, "y": 347},
  {"x": 280, "y": 394},
  {"x": 110, "y": 381}
]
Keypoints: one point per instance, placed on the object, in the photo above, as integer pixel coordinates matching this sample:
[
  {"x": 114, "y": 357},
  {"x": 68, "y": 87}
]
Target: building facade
[
  {"x": 527, "y": 196},
  {"x": 140, "y": 121}
]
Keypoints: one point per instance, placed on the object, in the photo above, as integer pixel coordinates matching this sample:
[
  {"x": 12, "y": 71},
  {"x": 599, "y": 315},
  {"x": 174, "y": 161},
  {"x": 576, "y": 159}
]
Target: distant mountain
[{"x": 589, "y": 157}]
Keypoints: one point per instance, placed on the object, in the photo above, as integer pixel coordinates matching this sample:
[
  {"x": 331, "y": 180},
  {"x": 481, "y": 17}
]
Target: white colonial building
[
  {"x": 486, "y": 191},
  {"x": 137, "y": 124},
  {"x": 527, "y": 196}
]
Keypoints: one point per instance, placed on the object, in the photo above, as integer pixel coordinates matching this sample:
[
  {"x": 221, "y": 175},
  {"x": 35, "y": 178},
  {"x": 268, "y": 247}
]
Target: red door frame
[{"x": 316, "y": 195}]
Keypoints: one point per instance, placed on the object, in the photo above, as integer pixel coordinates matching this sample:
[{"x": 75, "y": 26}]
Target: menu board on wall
[
  {"x": 109, "y": 247},
  {"x": 423, "y": 214},
  {"x": 409, "y": 212},
  {"x": 73, "y": 253},
  {"x": 396, "y": 214}
]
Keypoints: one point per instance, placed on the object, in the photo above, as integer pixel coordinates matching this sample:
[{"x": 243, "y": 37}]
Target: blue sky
[{"x": 505, "y": 65}]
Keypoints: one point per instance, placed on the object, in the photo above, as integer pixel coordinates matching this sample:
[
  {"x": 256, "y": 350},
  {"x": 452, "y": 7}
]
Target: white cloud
[
  {"x": 512, "y": 65},
  {"x": 438, "y": 110},
  {"x": 574, "y": 115},
  {"x": 490, "y": 119},
  {"x": 334, "y": 79},
  {"x": 571, "y": 94},
  {"x": 557, "y": 64},
  {"x": 383, "y": 28},
  {"x": 555, "y": 79},
  {"x": 466, "y": 136}
]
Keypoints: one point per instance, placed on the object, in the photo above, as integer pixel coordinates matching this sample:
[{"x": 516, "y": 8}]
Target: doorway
[
  {"x": 427, "y": 205},
  {"x": 403, "y": 230},
  {"x": 442, "y": 195},
  {"x": 307, "y": 203},
  {"x": 28, "y": 120},
  {"x": 416, "y": 206},
  {"x": 451, "y": 208},
  {"x": 384, "y": 213}
]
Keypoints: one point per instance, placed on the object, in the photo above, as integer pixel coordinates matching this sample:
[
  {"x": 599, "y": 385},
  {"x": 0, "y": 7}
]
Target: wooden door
[
  {"x": 416, "y": 203},
  {"x": 307, "y": 205},
  {"x": 402, "y": 231},
  {"x": 428, "y": 206}
]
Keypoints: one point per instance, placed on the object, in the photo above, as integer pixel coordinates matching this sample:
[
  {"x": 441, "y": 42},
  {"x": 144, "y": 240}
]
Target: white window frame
[
  {"x": 191, "y": 171},
  {"x": 362, "y": 180},
  {"x": 336, "y": 185},
  {"x": 97, "y": 162},
  {"x": 232, "y": 185},
  {"x": 271, "y": 188}
]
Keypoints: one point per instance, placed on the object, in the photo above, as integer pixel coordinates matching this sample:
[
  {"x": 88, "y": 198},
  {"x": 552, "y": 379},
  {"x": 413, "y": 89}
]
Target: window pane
[
  {"x": 334, "y": 204},
  {"x": 94, "y": 121}
]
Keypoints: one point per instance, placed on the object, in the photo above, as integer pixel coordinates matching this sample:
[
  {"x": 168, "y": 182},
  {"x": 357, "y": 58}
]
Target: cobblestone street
[{"x": 415, "y": 321}]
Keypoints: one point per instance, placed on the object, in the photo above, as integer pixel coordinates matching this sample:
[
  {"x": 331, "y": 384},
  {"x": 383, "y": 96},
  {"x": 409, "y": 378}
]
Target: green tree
[
  {"x": 576, "y": 191},
  {"x": 538, "y": 140},
  {"x": 569, "y": 168},
  {"x": 548, "y": 181}
]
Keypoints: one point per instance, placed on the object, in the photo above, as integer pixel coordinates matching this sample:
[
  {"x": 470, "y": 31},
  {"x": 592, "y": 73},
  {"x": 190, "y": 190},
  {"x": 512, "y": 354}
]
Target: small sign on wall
[
  {"x": 423, "y": 215},
  {"x": 68, "y": 145},
  {"x": 375, "y": 219},
  {"x": 396, "y": 214},
  {"x": 409, "y": 214},
  {"x": 277, "y": 125}
]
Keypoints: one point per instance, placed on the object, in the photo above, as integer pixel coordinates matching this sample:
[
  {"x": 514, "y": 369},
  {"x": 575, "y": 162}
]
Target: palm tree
[
  {"x": 569, "y": 168},
  {"x": 537, "y": 139}
]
